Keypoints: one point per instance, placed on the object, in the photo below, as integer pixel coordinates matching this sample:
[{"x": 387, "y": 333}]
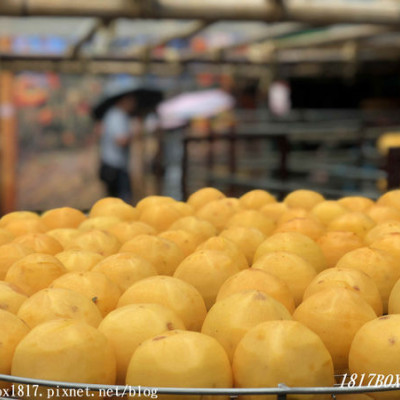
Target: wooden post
[{"x": 8, "y": 144}]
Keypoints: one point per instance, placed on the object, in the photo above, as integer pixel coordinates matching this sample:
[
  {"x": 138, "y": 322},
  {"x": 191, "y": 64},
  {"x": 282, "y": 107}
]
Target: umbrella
[
  {"x": 147, "y": 96},
  {"x": 179, "y": 110}
]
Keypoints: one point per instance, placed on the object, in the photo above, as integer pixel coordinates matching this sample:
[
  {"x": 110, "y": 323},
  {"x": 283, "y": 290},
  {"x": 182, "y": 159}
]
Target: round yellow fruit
[
  {"x": 202, "y": 229},
  {"x": 293, "y": 242},
  {"x": 358, "y": 280},
  {"x": 382, "y": 214},
  {"x": 79, "y": 260},
  {"x": 292, "y": 269},
  {"x": 394, "y": 299},
  {"x": 380, "y": 231},
  {"x": 94, "y": 285},
  {"x": 101, "y": 223},
  {"x": 378, "y": 264},
  {"x": 306, "y": 226},
  {"x": 306, "y": 199},
  {"x": 9, "y": 254},
  {"x": 256, "y": 279},
  {"x": 356, "y": 203},
  {"x": 335, "y": 245},
  {"x": 64, "y": 236},
  {"x": 23, "y": 227},
  {"x": 49, "y": 304},
  {"x": 35, "y": 272},
  {"x": 187, "y": 241},
  {"x": 218, "y": 212},
  {"x": 113, "y": 207},
  {"x": 151, "y": 201},
  {"x": 354, "y": 221},
  {"x": 229, "y": 319},
  {"x": 11, "y": 297},
  {"x": 375, "y": 351},
  {"x": 390, "y": 199},
  {"x": 335, "y": 315},
  {"x": 125, "y": 231},
  {"x": 293, "y": 213},
  {"x": 40, "y": 243},
  {"x": 125, "y": 269},
  {"x": 5, "y": 236},
  {"x": 180, "y": 359},
  {"x": 161, "y": 216},
  {"x": 389, "y": 243},
  {"x": 179, "y": 296},
  {"x": 96, "y": 240},
  {"x": 185, "y": 209},
  {"x": 12, "y": 332},
  {"x": 252, "y": 219},
  {"x": 164, "y": 254},
  {"x": 203, "y": 196},
  {"x": 274, "y": 210},
  {"x": 207, "y": 270},
  {"x": 65, "y": 350},
  {"x": 18, "y": 215},
  {"x": 327, "y": 211},
  {"x": 246, "y": 239},
  {"x": 256, "y": 199},
  {"x": 219, "y": 243},
  {"x": 127, "y": 327},
  {"x": 64, "y": 217},
  {"x": 290, "y": 353}
]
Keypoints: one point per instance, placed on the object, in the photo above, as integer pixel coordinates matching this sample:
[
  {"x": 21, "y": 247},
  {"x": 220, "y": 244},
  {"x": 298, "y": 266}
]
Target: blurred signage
[{"x": 36, "y": 44}]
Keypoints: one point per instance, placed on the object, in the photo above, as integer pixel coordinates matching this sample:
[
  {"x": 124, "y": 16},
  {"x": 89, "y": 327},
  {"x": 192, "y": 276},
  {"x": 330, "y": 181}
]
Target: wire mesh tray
[{"x": 281, "y": 392}]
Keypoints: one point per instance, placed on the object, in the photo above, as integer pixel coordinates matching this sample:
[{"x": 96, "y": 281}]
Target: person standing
[
  {"x": 123, "y": 98},
  {"x": 116, "y": 135}
]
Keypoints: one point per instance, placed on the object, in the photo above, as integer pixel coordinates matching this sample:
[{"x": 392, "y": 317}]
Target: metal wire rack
[{"x": 281, "y": 392}]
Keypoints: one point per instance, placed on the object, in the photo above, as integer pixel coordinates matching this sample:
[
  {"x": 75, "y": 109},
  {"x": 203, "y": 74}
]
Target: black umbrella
[{"x": 146, "y": 96}]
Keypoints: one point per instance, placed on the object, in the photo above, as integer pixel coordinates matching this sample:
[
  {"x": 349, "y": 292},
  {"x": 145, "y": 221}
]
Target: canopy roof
[{"x": 103, "y": 36}]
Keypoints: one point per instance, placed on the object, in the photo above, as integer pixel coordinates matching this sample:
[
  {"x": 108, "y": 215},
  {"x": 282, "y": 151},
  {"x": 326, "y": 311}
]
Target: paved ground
[{"x": 59, "y": 178}]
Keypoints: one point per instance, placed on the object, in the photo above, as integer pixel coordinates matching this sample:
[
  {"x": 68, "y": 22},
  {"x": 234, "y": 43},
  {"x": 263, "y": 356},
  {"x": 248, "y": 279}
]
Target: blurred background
[{"x": 272, "y": 94}]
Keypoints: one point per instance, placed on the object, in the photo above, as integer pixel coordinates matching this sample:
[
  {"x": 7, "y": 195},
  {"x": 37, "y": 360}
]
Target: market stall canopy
[{"x": 165, "y": 36}]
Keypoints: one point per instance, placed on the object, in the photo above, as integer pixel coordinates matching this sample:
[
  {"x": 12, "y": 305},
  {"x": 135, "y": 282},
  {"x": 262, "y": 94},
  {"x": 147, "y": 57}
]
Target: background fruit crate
[{"x": 281, "y": 392}]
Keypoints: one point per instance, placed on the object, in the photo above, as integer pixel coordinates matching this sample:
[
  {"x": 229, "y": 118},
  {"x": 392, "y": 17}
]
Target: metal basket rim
[{"x": 280, "y": 390}]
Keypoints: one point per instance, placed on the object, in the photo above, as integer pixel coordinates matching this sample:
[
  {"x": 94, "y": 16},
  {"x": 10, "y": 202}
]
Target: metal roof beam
[
  {"x": 335, "y": 35},
  {"x": 282, "y": 56},
  {"x": 310, "y": 11},
  {"x": 74, "y": 50},
  {"x": 174, "y": 9},
  {"x": 194, "y": 28}
]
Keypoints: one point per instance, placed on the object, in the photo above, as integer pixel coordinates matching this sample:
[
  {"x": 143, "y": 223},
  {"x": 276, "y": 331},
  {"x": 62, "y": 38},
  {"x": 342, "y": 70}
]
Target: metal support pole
[
  {"x": 232, "y": 158},
  {"x": 210, "y": 152},
  {"x": 284, "y": 148},
  {"x": 185, "y": 164},
  {"x": 393, "y": 168}
]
